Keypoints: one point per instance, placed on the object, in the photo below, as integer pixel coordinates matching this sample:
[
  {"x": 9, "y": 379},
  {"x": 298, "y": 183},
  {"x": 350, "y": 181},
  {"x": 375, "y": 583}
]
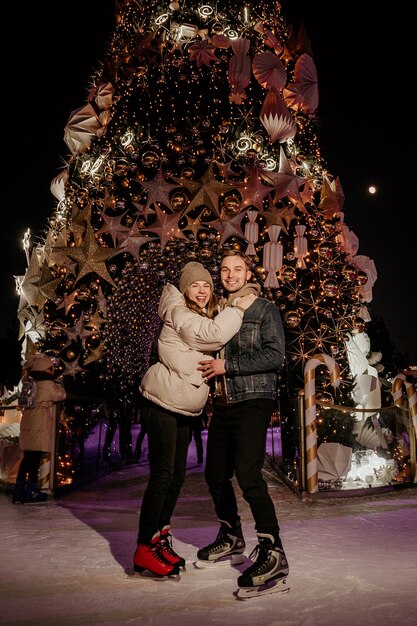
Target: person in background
[
  {"x": 245, "y": 396},
  {"x": 37, "y": 427},
  {"x": 196, "y": 430},
  {"x": 174, "y": 393}
]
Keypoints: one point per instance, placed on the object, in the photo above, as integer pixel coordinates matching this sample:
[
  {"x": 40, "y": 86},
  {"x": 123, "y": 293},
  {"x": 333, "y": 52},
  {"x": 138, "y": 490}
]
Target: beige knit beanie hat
[{"x": 191, "y": 272}]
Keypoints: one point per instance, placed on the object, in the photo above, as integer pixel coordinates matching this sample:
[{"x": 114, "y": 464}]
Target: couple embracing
[{"x": 238, "y": 342}]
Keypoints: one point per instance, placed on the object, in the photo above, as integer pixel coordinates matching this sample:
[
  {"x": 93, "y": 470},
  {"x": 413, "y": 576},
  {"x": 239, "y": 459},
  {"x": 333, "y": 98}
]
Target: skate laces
[
  {"x": 261, "y": 556},
  {"x": 166, "y": 544},
  {"x": 219, "y": 542},
  {"x": 155, "y": 550}
]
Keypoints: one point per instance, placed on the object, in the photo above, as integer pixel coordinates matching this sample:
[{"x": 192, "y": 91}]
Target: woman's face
[{"x": 199, "y": 292}]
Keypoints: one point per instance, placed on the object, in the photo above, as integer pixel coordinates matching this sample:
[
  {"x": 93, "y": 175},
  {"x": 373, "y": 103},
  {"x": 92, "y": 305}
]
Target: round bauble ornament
[
  {"x": 150, "y": 159},
  {"x": 330, "y": 288},
  {"x": 187, "y": 172},
  {"x": 359, "y": 324},
  {"x": 349, "y": 272},
  {"x": 292, "y": 319},
  {"x": 121, "y": 167},
  {"x": 329, "y": 228},
  {"x": 231, "y": 205},
  {"x": 325, "y": 250},
  {"x": 288, "y": 273},
  {"x": 361, "y": 278}
]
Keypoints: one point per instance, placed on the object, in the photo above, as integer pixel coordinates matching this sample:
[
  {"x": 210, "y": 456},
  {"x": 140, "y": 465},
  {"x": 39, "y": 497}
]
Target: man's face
[{"x": 234, "y": 273}]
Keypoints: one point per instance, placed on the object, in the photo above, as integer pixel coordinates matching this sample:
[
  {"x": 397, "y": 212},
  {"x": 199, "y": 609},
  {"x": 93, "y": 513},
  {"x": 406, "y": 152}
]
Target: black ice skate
[
  {"x": 227, "y": 549},
  {"x": 269, "y": 572}
]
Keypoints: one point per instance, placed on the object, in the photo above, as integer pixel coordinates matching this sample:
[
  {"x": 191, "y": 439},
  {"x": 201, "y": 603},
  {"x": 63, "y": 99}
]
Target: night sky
[{"x": 364, "y": 63}]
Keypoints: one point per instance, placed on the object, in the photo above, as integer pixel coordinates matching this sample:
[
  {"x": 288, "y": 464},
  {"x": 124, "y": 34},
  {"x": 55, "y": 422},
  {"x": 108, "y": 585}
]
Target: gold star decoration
[
  {"x": 330, "y": 200},
  {"x": 54, "y": 240},
  {"x": 134, "y": 241},
  {"x": 68, "y": 301},
  {"x": 94, "y": 354},
  {"x": 166, "y": 226},
  {"x": 158, "y": 190},
  {"x": 194, "y": 224},
  {"x": 285, "y": 182},
  {"x": 252, "y": 190},
  {"x": 209, "y": 191},
  {"x": 229, "y": 227},
  {"x": 113, "y": 226},
  {"x": 274, "y": 216},
  {"x": 78, "y": 330},
  {"x": 72, "y": 367},
  {"x": 91, "y": 257},
  {"x": 29, "y": 285}
]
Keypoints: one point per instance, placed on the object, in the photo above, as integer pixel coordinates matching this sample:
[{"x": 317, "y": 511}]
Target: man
[{"x": 244, "y": 399}]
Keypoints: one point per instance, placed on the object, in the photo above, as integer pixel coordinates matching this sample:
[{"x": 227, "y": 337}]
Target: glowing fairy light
[
  {"x": 127, "y": 139},
  {"x": 232, "y": 34},
  {"x": 161, "y": 19},
  {"x": 96, "y": 165},
  {"x": 244, "y": 143},
  {"x": 26, "y": 244},
  {"x": 206, "y": 11},
  {"x": 85, "y": 168}
]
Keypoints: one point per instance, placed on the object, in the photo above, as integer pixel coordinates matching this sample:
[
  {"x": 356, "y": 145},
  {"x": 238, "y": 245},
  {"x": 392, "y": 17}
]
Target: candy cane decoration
[
  {"x": 397, "y": 396},
  {"x": 310, "y": 418}
]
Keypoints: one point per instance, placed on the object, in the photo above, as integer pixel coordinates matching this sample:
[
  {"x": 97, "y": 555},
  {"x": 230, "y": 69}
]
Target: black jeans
[
  {"x": 29, "y": 466},
  {"x": 168, "y": 436},
  {"x": 236, "y": 443}
]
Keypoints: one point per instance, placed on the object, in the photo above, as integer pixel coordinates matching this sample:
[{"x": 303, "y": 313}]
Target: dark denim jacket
[{"x": 255, "y": 354}]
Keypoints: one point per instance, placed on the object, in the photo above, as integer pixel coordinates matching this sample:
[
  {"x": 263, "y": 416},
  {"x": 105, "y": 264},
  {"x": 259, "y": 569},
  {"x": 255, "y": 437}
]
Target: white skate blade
[
  {"x": 279, "y": 585},
  {"x": 234, "y": 559}
]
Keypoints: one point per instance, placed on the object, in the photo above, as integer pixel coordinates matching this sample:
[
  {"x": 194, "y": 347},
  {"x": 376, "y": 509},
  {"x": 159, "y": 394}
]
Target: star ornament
[
  {"x": 134, "y": 242},
  {"x": 165, "y": 227},
  {"x": 113, "y": 226},
  {"x": 229, "y": 227},
  {"x": 158, "y": 190},
  {"x": 209, "y": 192},
  {"x": 91, "y": 257},
  {"x": 253, "y": 191},
  {"x": 286, "y": 183}
]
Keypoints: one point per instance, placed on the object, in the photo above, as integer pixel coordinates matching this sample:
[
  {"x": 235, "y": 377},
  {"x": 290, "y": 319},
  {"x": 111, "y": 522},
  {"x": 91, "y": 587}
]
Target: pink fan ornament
[
  {"x": 303, "y": 93},
  {"x": 83, "y": 124},
  {"x": 276, "y": 118}
]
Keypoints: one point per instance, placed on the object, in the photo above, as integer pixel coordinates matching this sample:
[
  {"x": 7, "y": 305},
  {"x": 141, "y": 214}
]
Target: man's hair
[{"x": 240, "y": 254}]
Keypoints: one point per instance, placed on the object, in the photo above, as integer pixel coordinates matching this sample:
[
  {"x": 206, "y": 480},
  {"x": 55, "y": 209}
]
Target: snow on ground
[{"x": 353, "y": 560}]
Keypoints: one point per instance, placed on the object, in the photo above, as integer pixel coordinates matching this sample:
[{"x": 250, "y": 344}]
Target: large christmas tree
[{"x": 198, "y": 134}]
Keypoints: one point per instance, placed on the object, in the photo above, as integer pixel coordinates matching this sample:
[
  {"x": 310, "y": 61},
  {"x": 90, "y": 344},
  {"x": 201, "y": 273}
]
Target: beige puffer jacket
[
  {"x": 185, "y": 339},
  {"x": 37, "y": 424}
]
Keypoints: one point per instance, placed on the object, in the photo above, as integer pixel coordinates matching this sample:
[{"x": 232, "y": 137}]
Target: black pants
[
  {"x": 29, "y": 466},
  {"x": 168, "y": 436},
  {"x": 236, "y": 444}
]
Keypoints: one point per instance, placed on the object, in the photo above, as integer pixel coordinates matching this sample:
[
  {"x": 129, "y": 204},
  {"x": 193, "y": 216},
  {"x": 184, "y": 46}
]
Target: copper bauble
[
  {"x": 292, "y": 319},
  {"x": 150, "y": 159},
  {"x": 288, "y": 273},
  {"x": 325, "y": 250},
  {"x": 231, "y": 205},
  {"x": 330, "y": 288},
  {"x": 361, "y": 278},
  {"x": 349, "y": 272}
]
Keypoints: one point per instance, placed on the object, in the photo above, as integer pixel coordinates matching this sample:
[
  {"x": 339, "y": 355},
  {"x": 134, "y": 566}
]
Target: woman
[
  {"x": 37, "y": 427},
  {"x": 174, "y": 392}
]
